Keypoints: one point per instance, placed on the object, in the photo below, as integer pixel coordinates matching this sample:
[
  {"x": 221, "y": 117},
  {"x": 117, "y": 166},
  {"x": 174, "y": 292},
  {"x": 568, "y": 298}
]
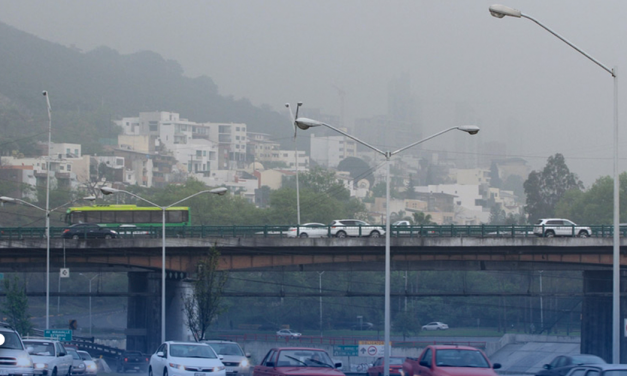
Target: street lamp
[
  {"x": 292, "y": 120},
  {"x": 90, "y": 279},
  {"x": 217, "y": 191},
  {"x": 320, "y": 290},
  {"x": 4, "y": 199},
  {"x": 304, "y": 123},
  {"x": 500, "y": 11}
]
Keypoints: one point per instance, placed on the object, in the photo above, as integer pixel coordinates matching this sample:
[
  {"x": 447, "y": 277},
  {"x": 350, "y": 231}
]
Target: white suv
[
  {"x": 14, "y": 357},
  {"x": 341, "y": 228},
  {"x": 50, "y": 358},
  {"x": 550, "y": 227}
]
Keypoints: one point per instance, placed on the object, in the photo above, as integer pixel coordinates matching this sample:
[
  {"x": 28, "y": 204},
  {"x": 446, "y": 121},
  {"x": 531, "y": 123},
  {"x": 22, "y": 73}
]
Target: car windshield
[
  {"x": 616, "y": 372},
  {"x": 460, "y": 358},
  {"x": 304, "y": 358},
  {"x": 74, "y": 354},
  {"x": 84, "y": 355},
  {"x": 587, "y": 359},
  {"x": 11, "y": 341},
  {"x": 192, "y": 351},
  {"x": 41, "y": 348},
  {"x": 226, "y": 348}
]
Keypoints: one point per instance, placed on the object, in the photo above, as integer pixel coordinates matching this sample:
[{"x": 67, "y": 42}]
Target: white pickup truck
[{"x": 49, "y": 357}]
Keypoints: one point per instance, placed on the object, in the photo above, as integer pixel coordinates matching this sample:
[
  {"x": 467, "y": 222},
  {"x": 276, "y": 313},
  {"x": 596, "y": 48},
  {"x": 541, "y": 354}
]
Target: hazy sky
[{"x": 519, "y": 83}]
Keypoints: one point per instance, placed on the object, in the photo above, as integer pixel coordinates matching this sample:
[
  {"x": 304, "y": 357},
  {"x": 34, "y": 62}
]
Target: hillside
[{"x": 88, "y": 90}]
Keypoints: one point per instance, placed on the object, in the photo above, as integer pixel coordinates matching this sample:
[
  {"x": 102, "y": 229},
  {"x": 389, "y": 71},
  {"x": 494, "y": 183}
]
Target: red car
[
  {"x": 396, "y": 363},
  {"x": 450, "y": 360},
  {"x": 297, "y": 361}
]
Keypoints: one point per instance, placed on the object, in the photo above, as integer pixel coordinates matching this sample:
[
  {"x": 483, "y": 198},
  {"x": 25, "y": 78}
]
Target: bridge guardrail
[{"x": 281, "y": 231}]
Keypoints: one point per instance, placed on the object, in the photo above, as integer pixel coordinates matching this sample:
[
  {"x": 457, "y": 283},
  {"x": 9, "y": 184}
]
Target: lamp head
[
  {"x": 219, "y": 191},
  {"x": 89, "y": 198},
  {"x": 470, "y": 129},
  {"x": 45, "y": 93},
  {"x": 7, "y": 199},
  {"x": 500, "y": 11},
  {"x": 287, "y": 105},
  {"x": 305, "y": 123},
  {"x": 108, "y": 191},
  {"x": 299, "y": 104}
]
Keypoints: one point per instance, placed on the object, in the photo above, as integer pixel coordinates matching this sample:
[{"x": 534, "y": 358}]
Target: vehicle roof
[
  {"x": 453, "y": 347},
  {"x": 218, "y": 341},
  {"x": 603, "y": 367},
  {"x": 298, "y": 348},
  {"x": 183, "y": 343},
  {"x": 39, "y": 340}
]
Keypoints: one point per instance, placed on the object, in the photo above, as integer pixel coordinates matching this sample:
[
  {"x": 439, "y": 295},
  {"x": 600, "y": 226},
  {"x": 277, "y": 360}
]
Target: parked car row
[
  {"x": 40, "y": 356},
  {"x": 339, "y": 228}
]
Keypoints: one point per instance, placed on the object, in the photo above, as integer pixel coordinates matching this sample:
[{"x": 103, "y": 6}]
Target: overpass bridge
[{"x": 141, "y": 259}]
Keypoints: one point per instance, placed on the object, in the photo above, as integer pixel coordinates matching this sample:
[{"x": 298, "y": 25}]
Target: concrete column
[
  {"x": 144, "y": 312},
  {"x": 176, "y": 322},
  {"x": 596, "y": 323}
]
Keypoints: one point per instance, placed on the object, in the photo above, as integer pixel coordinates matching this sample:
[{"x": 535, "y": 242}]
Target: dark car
[
  {"x": 599, "y": 370},
  {"x": 362, "y": 326},
  {"x": 297, "y": 361},
  {"x": 132, "y": 360},
  {"x": 88, "y": 231},
  {"x": 564, "y": 363},
  {"x": 396, "y": 364}
]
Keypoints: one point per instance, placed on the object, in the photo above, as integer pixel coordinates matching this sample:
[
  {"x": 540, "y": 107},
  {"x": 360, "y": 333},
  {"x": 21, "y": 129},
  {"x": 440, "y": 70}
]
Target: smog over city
[{"x": 522, "y": 86}]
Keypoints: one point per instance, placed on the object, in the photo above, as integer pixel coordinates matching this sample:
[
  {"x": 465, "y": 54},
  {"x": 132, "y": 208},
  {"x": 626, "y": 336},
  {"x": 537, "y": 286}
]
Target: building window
[
  {"x": 69, "y": 167},
  {"x": 153, "y": 126}
]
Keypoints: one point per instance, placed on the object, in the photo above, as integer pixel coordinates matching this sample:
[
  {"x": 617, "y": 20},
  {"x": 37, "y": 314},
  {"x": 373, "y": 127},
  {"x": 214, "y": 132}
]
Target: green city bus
[{"x": 117, "y": 215}]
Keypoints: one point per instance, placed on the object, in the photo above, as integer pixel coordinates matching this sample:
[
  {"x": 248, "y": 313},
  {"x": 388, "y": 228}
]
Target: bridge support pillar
[
  {"x": 596, "y": 323},
  {"x": 143, "y": 323},
  {"x": 176, "y": 323}
]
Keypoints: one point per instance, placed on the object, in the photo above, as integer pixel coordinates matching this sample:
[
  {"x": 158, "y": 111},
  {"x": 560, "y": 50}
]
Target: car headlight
[
  {"x": 177, "y": 366},
  {"x": 40, "y": 366},
  {"x": 24, "y": 361},
  {"x": 92, "y": 367},
  {"x": 81, "y": 366},
  {"x": 244, "y": 363},
  {"x": 218, "y": 368}
]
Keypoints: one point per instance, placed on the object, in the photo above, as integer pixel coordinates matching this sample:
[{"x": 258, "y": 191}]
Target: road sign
[
  {"x": 346, "y": 350},
  {"x": 58, "y": 334},
  {"x": 371, "y": 348},
  {"x": 64, "y": 273}
]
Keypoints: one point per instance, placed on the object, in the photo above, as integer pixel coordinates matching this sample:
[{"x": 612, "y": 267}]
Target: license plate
[
  {"x": 4, "y": 372},
  {"x": 199, "y": 374},
  {"x": 135, "y": 367},
  {"x": 230, "y": 369}
]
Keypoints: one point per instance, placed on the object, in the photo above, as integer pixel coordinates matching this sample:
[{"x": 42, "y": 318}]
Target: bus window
[
  {"x": 142, "y": 217},
  {"x": 77, "y": 217},
  {"x": 156, "y": 216},
  {"x": 124, "y": 217},
  {"x": 107, "y": 217},
  {"x": 92, "y": 217},
  {"x": 174, "y": 216}
]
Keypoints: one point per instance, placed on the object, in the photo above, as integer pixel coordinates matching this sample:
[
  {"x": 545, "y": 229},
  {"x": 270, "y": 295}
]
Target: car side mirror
[
  {"x": 30, "y": 349},
  {"x": 338, "y": 365},
  {"x": 248, "y": 355},
  {"x": 270, "y": 364},
  {"x": 546, "y": 366},
  {"x": 62, "y": 354},
  {"x": 496, "y": 365},
  {"x": 424, "y": 363},
  {"x": 160, "y": 354},
  {"x": 221, "y": 357}
]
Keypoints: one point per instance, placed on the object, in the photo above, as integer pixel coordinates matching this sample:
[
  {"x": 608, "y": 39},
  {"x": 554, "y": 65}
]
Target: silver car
[
  {"x": 234, "y": 359},
  {"x": 342, "y": 228},
  {"x": 309, "y": 230},
  {"x": 550, "y": 227}
]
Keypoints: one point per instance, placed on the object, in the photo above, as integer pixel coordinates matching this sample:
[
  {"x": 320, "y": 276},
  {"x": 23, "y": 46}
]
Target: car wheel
[
  {"x": 340, "y": 234},
  {"x": 549, "y": 234},
  {"x": 76, "y": 237},
  {"x": 375, "y": 234},
  {"x": 150, "y": 371},
  {"x": 69, "y": 371},
  {"x": 304, "y": 235},
  {"x": 165, "y": 372},
  {"x": 54, "y": 372},
  {"x": 584, "y": 234},
  {"x": 108, "y": 236}
]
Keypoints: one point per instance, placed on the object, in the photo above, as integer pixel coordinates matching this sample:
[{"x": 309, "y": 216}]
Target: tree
[
  {"x": 16, "y": 306},
  {"x": 421, "y": 218},
  {"x": 406, "y": 323},
  {"x": 358, "y": 169},
  {"x": 410, "y": 192},
  {"x": 544, "y": 189},
  {"x": 204, "y": 304}
]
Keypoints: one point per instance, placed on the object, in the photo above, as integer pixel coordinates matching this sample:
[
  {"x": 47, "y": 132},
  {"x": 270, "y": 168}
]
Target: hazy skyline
[{"x": 519, "y": 83}]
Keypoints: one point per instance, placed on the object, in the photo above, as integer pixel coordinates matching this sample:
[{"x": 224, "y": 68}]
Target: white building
[
  {"x": 329, "y": 151},
  {"x": 468, "y": 199}
]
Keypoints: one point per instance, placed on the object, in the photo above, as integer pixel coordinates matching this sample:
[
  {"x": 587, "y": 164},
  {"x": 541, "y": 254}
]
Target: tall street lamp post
[
  {"x": 292, "y": 119},
  {"x": 4, "y": 199},
  {"x": 500, "y": 11},
  {"x": 304, "y": 123},
  {"x": 108, "y": 191},
  {"x": 45, "y": 93},
  {"x": 90, "y": 279}
]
